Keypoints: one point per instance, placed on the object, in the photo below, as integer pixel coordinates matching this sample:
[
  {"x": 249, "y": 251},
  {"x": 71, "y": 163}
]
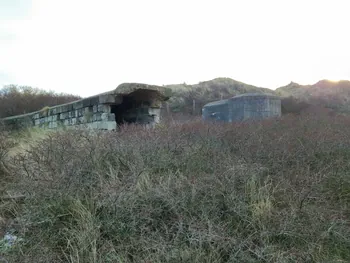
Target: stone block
[
  {"x": 107, "y": 116},
  {"x": 106, "y": 99},
  {"x": 78, "y": 105},
  {"x": 74, "y": 121},
  {"x": 53, "y": 111},
  {"x": 59, "y": 123},
  {"x": 71, "y": 114},
  {"x": 108, "y": 125},
  {"x": 94, "y": 108},
  {"x": 104, "y": 108},
  {"x": 58, "y": 109},
  {"x": 94, "y": 100},
  {"x": 80, "y": 112},
  {"x": 81, "y": 120},
  {"x": 96, "y": 117},
  {"x": 104, "y": 116},
  {"x": 62, "y": 116},
  {"x": 64, "y": 108},
  {"x": 88, "y": 117},
  {"x": 87, "y": 109},
  {"x": 96, "y": 125},
  {"x": 86, "y": 102}
]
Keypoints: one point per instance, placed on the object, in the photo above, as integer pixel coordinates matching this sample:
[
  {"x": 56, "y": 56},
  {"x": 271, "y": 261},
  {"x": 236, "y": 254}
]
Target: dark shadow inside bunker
[{"x": 134, "y": 108}]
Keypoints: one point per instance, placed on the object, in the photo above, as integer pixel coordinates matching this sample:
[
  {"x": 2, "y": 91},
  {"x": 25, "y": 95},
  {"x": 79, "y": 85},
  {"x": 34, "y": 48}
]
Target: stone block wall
[
  {"x": 96, "y": 112},
  {"x": 92, "y": 116}
]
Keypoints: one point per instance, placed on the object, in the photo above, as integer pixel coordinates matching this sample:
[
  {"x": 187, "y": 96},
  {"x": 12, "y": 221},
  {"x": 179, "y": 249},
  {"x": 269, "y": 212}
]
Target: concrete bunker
[
  {"x": 248, "y": 106},
  {"x": 128, "y": 103}
]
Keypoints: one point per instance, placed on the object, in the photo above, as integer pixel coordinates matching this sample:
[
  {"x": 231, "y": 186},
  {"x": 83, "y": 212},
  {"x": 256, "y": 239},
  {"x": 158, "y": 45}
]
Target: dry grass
[{"x": 272, "y": 191}]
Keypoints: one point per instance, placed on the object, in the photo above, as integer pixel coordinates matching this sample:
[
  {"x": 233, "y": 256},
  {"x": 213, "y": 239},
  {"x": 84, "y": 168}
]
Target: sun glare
[
  {"x": 336, "y": 77},
  {"x": 334, "y": 80}
]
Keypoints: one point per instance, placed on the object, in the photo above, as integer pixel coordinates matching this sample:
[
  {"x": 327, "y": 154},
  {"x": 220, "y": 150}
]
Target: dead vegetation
[
  {"x": 271, "y": 191},
  {"x": 17, "y": 100}
]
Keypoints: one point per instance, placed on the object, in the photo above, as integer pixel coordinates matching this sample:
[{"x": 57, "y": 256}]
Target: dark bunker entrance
[{"x": 135, "y": 107}]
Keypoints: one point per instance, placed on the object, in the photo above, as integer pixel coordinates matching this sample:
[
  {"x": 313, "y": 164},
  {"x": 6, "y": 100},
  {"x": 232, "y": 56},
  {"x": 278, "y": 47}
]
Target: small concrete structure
[
  {"x": 243, "y": 107},
  {"x": 128, "y": 103}
]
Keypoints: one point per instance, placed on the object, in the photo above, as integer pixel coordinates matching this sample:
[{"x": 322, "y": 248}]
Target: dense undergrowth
[{"x": 271, "y": 191}]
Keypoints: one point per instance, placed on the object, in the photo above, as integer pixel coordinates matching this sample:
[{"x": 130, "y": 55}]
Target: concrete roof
[
  {"x": 255, "y": 95},
  {"x": 216, "y": 103}
]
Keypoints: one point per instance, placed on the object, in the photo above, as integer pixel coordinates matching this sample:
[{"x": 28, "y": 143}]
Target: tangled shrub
[
  {"x": 270, "y": 191},
  {"x": 5, "y": 145},
  {"x": 293, "y": 105}
]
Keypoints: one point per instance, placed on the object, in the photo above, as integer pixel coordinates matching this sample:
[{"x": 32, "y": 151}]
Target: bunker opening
[{"x": 141, "y": 106}]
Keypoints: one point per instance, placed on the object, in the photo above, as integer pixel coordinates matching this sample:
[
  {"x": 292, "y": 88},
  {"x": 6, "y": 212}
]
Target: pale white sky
[{"x": 86, "y": 47}]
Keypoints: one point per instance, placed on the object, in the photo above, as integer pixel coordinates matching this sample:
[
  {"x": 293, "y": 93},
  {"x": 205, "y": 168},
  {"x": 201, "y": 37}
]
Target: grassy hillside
[
  {"x": 273, "y": 191},
  {"x": 207, "y": 91},
  {"x": 320, "y": 97},
  {"x": 330, "y": 94}
]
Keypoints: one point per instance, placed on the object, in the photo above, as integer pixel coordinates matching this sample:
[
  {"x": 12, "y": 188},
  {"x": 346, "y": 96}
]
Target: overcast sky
[{"x": 86, "y": 47}]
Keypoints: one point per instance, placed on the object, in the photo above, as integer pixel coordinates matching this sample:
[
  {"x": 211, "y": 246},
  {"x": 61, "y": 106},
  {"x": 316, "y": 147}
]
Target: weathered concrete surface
[
  {"x": 129, "y": 102},
  {"x": 243, "y": 107}
]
